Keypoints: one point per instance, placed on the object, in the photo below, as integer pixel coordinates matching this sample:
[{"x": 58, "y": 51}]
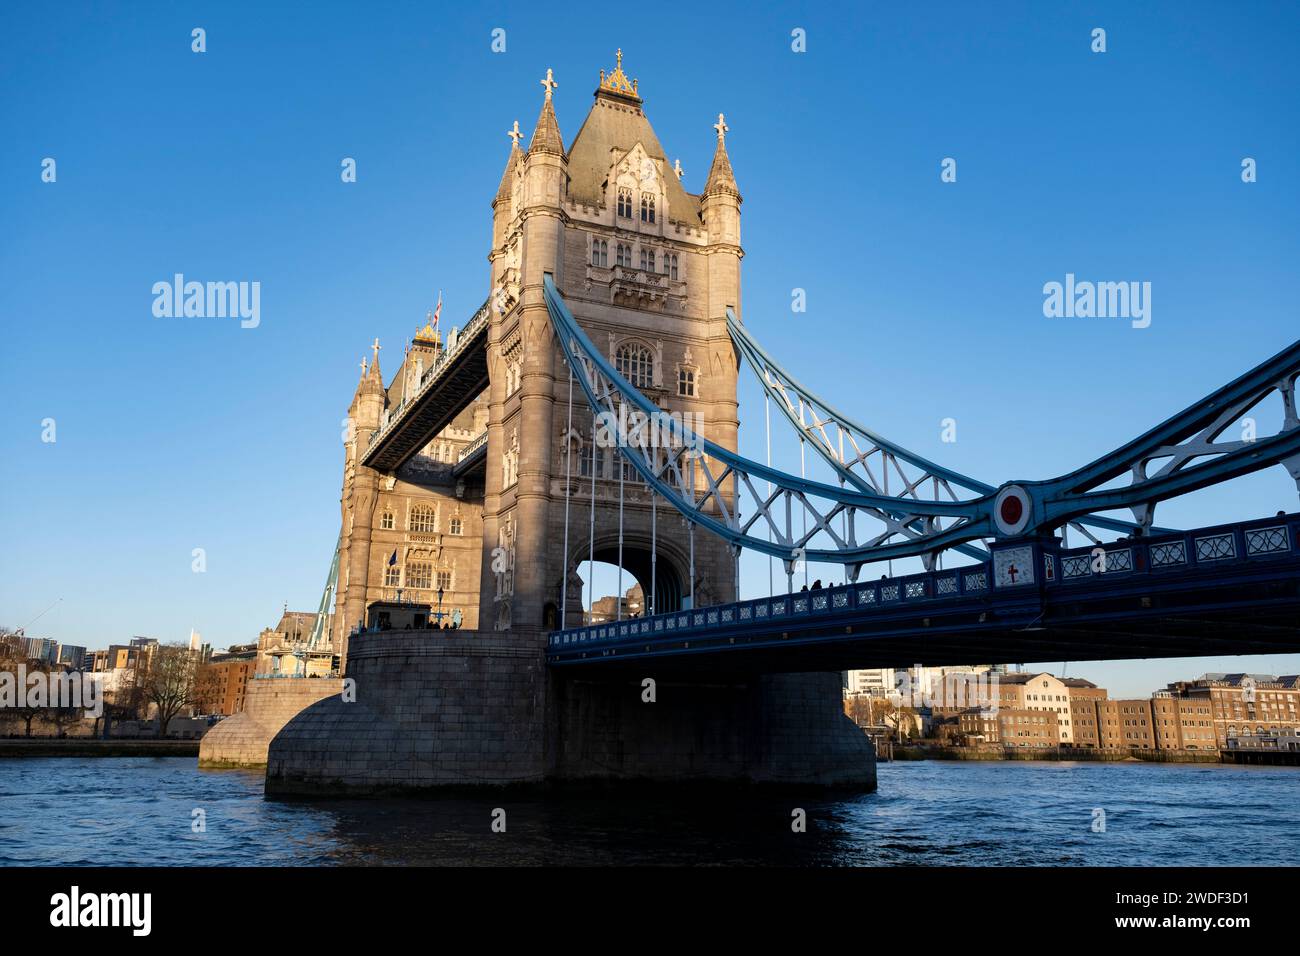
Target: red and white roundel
[{"x": 1011, "y": 510}]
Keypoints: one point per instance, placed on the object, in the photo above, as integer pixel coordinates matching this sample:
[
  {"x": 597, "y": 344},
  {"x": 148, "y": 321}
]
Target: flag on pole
[
  {"x": 437, "y": 309},
  {"x": 392, "y": 558}
]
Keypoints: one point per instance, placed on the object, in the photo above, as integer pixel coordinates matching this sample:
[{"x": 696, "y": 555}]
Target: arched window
[
  {"x": 423, "y": 518},
  {"x": 386, "y": 521},
  {"x": 456, "y": 526},
  {"x": 671, "y": 263},
  {"x": 623, "y": 255},
  {"x": 636, "y": 364},
  {"x": 625, "y": 202},
  {"x": 599, "y": 252},
  {"x": 647, "y": 208}
]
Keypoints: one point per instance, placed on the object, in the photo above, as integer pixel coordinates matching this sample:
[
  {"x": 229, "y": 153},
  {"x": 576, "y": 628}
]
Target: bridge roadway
[
  {"x": 443, "y": 393},
  {"x": 1224, "y": 590}
]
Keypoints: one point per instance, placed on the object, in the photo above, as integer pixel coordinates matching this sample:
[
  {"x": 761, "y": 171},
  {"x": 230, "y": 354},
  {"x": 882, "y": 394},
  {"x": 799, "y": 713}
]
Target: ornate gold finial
[{"x": 617, "y": 82}]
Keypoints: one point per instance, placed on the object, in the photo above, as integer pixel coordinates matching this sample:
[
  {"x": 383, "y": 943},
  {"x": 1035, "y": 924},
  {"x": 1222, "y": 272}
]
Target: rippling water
[{"x": 138, "y": 811}]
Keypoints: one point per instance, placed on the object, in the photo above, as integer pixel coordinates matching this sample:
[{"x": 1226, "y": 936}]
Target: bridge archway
[{"x": 669, "y": 576}]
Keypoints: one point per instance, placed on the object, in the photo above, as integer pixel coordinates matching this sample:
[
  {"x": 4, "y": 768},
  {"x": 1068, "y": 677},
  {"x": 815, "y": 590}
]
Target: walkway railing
[
  {"x": 472, "y": 447},
  {"x": 431, "y": 374},
  {"x": 1205, "y": 548}
]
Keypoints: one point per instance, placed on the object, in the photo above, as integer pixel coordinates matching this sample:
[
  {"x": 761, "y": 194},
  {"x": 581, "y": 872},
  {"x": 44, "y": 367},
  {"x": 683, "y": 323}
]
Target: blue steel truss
[
  {"x": 718, "y": 489},
  {"x": 862, "y": 457}
]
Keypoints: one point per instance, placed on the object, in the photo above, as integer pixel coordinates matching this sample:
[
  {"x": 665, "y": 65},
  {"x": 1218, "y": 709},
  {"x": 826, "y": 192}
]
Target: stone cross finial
[
  {"x": 549, "y": 83},
  {"x": 364, "y": 367},
  {"x": 722, "y": 127},
  {"x": 376, "y": 347},
  {"x": 515, "y": 135},
  {"x": 677, "y": 168}
]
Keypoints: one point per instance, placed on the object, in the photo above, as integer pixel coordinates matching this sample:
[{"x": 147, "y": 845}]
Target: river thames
[{"x": 142, "y": 811}]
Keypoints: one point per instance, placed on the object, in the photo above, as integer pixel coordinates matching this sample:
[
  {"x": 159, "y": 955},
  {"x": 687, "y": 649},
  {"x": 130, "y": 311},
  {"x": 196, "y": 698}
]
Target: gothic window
[
  {"x": 393, "y": 576},
  {"x": 386, "y": 521},
  {"x": 419, "y": 574},
  {"x": 629, "y": 470},
  {"x": 444, "y": 580},
  {"x": 636, "y": 364},
  {"x": 647, "y": 208},
  {"x": 423, "y": 518},
  {"x": 670, "y": 263},
  {"x": 599, "y": 252},
  {"x": 685, "y": 382},
  {"x": 623, "y": 255},
  {"x": 625, "y": 202},
  {"x": 647, "y": 260},
  {"x": 456, "y": 527}
]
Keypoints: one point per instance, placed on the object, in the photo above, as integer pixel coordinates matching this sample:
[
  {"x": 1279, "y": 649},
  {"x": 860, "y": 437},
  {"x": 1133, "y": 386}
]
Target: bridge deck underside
[
  {"x": 1254, "y": 610},
  {"x": 458, "y": 385}
]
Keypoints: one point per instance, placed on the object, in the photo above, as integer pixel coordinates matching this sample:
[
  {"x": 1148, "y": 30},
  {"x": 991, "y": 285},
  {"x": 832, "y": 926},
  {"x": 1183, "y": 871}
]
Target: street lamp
[{"x": 439, "y": 607}]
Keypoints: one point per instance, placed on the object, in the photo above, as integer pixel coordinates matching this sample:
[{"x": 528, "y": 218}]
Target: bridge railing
[
  {"x": 472, "y": 328},
  {"x": 1210, "y": 547},
  {"x": 1178, "y": 550}
]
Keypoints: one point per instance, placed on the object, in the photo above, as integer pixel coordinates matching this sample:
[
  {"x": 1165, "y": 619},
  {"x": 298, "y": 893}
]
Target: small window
[
  {"x": 625, "y": 203},
  {"x": 686, "y": 382},
  {"x": 386, "y": 521},
  {"x": 671, "y": 264},
  {"x": 456, "y": 526},
  {"x": 393, "y": 576},
  {"x": 599, "y": 252},
  {"x": 635, "y": 363},
  {"x": 647, "y": 208},
  {"x": 444, "y": 580},
  {"x": 647, "y": 260},
  {"x": 623, "y": 255}
]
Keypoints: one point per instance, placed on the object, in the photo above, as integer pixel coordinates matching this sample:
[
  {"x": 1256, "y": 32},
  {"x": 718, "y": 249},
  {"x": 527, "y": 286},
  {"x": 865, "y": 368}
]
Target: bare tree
[
  {"x": 167, "y": 680},
  {"x": 13, "y": 656}
]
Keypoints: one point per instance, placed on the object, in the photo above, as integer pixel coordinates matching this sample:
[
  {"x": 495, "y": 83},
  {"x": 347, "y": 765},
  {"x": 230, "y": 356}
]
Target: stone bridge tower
[{"x": 649, "y": 270}]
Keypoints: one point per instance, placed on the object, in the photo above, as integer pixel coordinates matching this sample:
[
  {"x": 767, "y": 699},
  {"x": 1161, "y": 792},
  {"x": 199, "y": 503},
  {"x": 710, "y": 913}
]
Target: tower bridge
[{"x": 477, "y": 478}]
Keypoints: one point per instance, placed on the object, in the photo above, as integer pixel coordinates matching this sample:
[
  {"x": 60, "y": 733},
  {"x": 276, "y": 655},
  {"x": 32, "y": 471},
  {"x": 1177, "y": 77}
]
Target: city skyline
[{"x": 173, "y": 434}]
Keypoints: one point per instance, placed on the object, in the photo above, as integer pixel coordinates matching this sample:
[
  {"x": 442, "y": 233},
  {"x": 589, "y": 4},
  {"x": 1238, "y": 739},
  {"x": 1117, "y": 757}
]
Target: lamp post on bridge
[{"x": 438, "y": 614}]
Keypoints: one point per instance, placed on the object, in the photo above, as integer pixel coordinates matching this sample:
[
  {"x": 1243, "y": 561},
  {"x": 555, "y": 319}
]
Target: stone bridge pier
[{"x": 445, "y": 709}]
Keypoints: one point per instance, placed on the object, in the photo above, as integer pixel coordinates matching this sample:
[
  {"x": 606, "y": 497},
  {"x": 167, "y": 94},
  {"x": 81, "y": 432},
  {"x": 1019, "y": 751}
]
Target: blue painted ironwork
[
  {"x": 706, "y": 482},
  {"x": 1177, "y": 562},
  {"x": 1189, "y": 448},
  {"x": 861, "y": 456},
  {"x": 326, "y": 598},
  {"x": 1039, "y": 507}
]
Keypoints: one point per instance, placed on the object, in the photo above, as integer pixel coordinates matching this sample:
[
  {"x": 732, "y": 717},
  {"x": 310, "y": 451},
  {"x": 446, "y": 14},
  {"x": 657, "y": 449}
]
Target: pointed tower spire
[
  {"x": 512, "y": 164},
  {"x": 376, "y": 375},
  {"x": 546, "y": 137},
  {"x": 721, "y": 179}
]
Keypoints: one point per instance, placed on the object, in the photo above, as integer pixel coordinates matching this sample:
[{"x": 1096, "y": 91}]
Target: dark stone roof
[{"x": 615, "y": 122}]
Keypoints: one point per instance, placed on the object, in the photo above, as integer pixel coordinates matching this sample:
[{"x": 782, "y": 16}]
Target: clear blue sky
[{"x": 924, "y": 298}]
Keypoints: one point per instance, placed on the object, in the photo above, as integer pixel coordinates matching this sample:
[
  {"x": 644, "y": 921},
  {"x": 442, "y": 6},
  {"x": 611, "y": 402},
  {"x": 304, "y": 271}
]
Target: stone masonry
[{"x": 242, "y": 739}]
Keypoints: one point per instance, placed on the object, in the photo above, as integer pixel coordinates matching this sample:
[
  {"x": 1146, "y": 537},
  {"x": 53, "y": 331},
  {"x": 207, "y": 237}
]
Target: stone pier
[
  {"x": 241, "y": 740},
  {"x": 439, "y": 709}
]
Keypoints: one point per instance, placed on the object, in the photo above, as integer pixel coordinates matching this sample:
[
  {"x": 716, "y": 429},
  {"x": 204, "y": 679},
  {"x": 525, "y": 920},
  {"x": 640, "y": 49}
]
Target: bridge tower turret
[
  {"x": 650, "y": 271},
  {"x": 360, "y": 495}
]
